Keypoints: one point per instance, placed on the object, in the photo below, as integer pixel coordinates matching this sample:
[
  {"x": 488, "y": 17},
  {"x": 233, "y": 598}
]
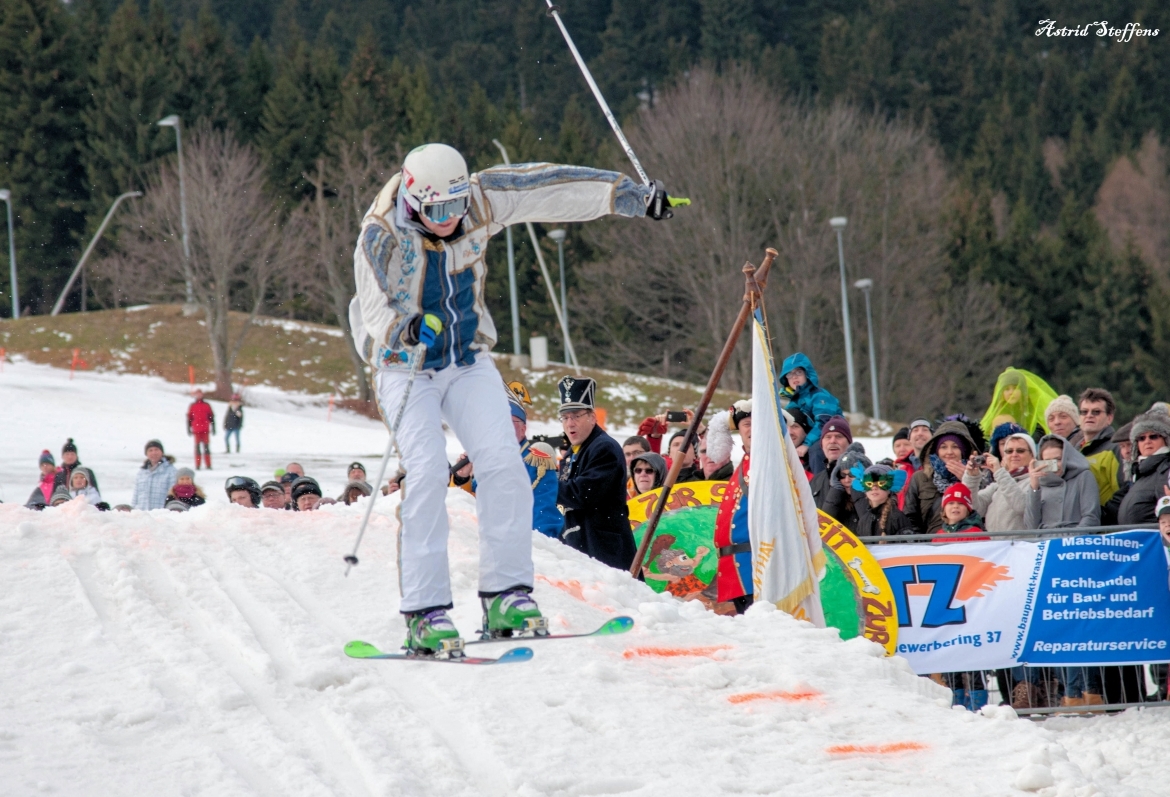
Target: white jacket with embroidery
[{"x": 390, "y": 260}]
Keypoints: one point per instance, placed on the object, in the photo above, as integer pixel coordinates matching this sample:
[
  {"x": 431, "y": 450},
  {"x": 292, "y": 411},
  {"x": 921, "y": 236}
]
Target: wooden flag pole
[{"x": 754, "y": 280}]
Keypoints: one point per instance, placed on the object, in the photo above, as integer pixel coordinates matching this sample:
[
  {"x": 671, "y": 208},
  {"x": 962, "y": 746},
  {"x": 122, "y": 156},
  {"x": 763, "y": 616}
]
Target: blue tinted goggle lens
[{"x": 440, "y": 212}]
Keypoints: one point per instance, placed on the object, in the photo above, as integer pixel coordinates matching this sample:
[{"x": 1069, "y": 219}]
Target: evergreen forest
[{"x": 1007, "y": 190}]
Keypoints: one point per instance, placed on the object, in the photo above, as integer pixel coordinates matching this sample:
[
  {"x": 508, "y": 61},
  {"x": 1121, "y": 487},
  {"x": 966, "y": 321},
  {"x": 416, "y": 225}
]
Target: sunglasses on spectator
[
  {"x": 1144, "y": 437},
  {"x": 1093, "y": 413},
  {"x": 1009, "y": 451},
  {"x": 643, "y": 470}
]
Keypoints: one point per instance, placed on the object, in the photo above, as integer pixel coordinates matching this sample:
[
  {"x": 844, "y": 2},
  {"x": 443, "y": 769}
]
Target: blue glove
[{"x": 422, "y": 329}]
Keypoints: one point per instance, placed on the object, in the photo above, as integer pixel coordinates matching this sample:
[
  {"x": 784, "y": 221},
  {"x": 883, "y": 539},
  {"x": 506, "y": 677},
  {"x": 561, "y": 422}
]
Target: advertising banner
[{"x": 1098, "y": 599}]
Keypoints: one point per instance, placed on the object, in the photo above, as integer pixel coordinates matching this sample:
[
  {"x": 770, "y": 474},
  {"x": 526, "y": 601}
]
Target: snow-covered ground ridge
[{"x": 201, "y": 653}]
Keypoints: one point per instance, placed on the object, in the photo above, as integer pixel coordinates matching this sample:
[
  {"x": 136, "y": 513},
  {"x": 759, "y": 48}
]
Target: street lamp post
[
  {"x": 511, "y": 271},
  {"x": 559, "y": 237},
  {"x": 838, "y": 223},
  {"x": 866, "y": 285},
  {"x": 85, "y": 256},
  {"x": 6, "y": 195},
  {"x": 173, "y": 121}
]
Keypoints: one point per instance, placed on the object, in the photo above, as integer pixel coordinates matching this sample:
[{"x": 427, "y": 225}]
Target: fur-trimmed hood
[{"x": 1145, "y": 423}]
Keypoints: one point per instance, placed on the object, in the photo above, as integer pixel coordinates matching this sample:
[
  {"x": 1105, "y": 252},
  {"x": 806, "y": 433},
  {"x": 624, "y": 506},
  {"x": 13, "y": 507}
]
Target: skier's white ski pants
[{"x": 472, "y": 401}]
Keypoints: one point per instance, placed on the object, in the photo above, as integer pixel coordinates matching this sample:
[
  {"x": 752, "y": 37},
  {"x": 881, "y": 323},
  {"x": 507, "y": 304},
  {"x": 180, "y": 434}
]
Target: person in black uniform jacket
[{"x": 592, "y": 488}]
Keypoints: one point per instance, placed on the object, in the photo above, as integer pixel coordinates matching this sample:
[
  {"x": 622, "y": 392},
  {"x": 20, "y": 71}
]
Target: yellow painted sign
[
  {"x": 681, "y": 496},
  {"x": 872, "y": 598}
]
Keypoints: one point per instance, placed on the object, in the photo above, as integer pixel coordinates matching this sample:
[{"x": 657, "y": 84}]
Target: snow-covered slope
[{"x": 201, "y": 653}]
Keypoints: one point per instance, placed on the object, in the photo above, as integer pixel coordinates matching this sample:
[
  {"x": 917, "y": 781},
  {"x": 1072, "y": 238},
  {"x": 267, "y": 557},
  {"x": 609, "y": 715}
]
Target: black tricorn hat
[{"x": 576, "y": 393}]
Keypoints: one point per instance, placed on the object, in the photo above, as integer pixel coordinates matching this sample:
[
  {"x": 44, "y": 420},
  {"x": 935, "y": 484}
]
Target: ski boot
[
  {"x": 512, "y": 613},
  {"x": 431, "y": 633}
]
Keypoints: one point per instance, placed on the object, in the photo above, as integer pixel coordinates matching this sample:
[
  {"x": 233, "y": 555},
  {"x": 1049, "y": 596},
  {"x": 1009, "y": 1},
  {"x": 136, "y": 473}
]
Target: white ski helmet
[{"x": 436, "y": 182}]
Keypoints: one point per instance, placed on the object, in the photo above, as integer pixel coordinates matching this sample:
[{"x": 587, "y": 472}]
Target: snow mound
[{"x": 201, "y": 653}]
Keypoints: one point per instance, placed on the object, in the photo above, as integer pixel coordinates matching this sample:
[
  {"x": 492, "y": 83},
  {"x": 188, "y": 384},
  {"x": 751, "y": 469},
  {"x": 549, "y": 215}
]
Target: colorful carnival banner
[
  {"x": 855, "y": 597},
  {"x": 1091, "y": 600}
]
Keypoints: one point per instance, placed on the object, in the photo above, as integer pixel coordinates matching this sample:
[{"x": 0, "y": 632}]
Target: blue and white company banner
[
  {"x": 1102, "y": 599},
  {"x": 1099, "y": 599}
]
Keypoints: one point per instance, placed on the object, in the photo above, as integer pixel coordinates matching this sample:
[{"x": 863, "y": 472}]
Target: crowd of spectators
[{"x": 1035, "y": 460}]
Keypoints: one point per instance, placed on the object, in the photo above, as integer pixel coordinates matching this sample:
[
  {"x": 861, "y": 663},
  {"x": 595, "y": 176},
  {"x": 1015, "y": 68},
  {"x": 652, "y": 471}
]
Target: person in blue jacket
[
  {"x": 541, "y": 462},
  {"x": 802, "y": 387}
]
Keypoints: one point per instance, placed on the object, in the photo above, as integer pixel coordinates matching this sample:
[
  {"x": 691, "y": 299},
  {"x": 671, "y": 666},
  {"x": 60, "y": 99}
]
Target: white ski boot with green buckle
[
  {"x": 431, "y": 633},
  {"x": 512, "y": 613}
]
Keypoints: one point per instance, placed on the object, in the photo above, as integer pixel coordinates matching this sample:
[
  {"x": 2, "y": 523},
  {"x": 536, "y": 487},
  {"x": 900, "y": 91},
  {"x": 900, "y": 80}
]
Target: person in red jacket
[{"x": 201, "y": 425}]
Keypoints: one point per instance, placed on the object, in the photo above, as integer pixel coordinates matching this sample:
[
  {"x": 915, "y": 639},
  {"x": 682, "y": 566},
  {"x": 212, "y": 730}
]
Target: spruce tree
[
  {"x": 366, "y": 104},
  {"x": 297, "y": 116},
  {"x": 209, "y": 72},
  {"x": 133, "y": 84},
  {"x": 256, "y": 79},
  {"x": 41, "y": 90}
]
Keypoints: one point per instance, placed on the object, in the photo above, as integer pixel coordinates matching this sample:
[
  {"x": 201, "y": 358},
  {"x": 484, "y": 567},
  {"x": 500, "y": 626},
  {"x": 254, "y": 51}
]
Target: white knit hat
[{"x": 1063, "y": 404}]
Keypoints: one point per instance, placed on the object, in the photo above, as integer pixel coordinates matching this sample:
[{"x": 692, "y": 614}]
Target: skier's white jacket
[{"x": 400, "y": 272}]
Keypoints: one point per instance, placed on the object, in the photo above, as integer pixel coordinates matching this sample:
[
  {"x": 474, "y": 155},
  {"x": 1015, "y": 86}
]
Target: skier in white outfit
[{"x": 420, "y": 266}]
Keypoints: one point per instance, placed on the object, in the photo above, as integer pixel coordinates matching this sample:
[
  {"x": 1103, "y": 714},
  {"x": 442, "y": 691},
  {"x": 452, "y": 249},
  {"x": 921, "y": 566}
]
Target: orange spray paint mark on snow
[
  {"x": 787, "y": 697},
  {"x": 871, "y": 749},
  {"x": 574, "y": 588},
  {"x": 669, "y": 653}
]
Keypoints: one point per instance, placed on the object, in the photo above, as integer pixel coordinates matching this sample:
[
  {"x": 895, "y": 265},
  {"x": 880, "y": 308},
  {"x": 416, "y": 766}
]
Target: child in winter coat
[
  {"x": 185, "y": 490},
  {"x": 81, "y": 483},
  {"x": 875, "y": 491},
  {"x": 959, "y": 514},
  {"x": 43, "y": 493},
  {"x": 801, "y": 385}
]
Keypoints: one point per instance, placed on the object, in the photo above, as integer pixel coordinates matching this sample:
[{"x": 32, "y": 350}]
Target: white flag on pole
[{"x": 787, "y": 558}]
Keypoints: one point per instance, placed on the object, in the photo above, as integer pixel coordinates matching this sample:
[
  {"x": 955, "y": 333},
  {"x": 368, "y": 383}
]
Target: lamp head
[
  {"x": 838, "y": 222},
  {"x": 5, "y": 194},
  {"x": 170, "y": 121},
  {"x": 557, "y": 235},
  {"x": 864, "y": 284}
]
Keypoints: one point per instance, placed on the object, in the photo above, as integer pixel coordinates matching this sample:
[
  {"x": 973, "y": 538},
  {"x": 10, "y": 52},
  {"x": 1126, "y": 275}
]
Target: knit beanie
[
  {"x": 46, "y": 458},
  {"x": 69, "y": 446},
  {"x": 963, "y": 444},
  {"x": 853, "y": 454},
  {"x": 1027, "y": 438},
  {"x": 839, "y": 425},
  {"x": 799, "y": 418},
  {"x": 1063, "y": 404},
  {"x": 181, "y": 472},
  {"x": 1001, "y": 433},
  {"x": 958, "y": 492},
  {"x": 60, "y": 495},
  {"x": 902, "y": 434},
  {"x": 153, "y": 444}
]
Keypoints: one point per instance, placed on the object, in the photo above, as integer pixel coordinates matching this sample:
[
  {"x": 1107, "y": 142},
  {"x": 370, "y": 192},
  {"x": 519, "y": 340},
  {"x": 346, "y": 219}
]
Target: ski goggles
[
  {"x": 872, "y": 481},
  {"x": 239, "y": 483},
  {"x": 441, "y": 212}
]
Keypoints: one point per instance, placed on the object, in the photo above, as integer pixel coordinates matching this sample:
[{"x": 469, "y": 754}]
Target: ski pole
[
  {"x": 418, "y": 354},
  {"x": 552, "y": 12}
]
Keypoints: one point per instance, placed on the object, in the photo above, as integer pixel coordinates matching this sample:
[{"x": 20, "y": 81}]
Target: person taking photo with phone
[{"x": 1063, "y": 492}]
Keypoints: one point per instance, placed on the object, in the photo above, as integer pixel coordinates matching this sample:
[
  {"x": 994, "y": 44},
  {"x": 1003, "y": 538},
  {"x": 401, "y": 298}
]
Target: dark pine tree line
[{"x": 1030, "y": 125}]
